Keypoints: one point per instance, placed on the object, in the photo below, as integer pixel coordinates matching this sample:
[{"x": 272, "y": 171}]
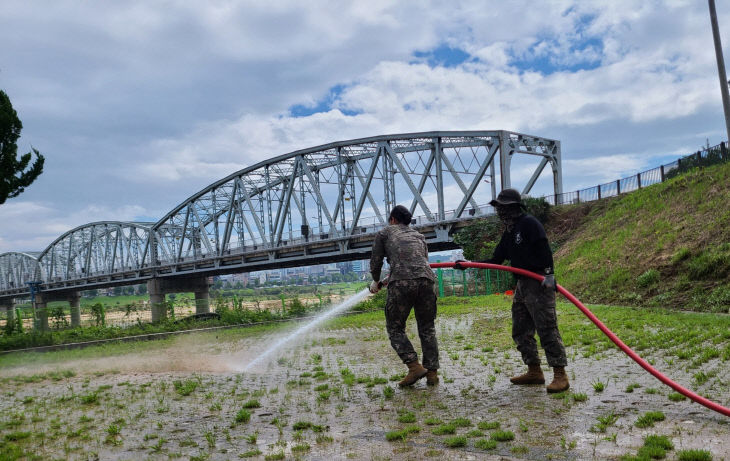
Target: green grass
[
  {"x": 503, "y": 436},
  {"x": 628, "y": 233},
  {"x": 694, "y": 455},
  {"x": 649, "y": 418},
  {"x": 485, "y": 444},
  {"x": 455, "y": 442}
]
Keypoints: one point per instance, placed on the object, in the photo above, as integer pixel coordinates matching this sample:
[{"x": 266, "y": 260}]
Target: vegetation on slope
[{"x": 667, "y": 245}]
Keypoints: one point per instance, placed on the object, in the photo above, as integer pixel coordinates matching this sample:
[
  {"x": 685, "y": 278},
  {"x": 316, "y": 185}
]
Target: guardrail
[{"x": 708, "y": 156}]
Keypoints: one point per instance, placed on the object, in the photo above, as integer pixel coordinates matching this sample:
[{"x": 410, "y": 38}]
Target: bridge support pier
[
  {"x": 10, "y": 309},
  {"x": 158, "y": 288},
  {"x": 40, "y": 309},
  {"x": 74, "y": 301}
]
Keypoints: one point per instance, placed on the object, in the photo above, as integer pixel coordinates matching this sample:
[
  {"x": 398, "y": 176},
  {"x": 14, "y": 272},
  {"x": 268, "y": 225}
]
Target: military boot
[
  {"x": 533, "y": 376},
  {"x": 432, "y": 378},
  {"x": 560, "y": 381},
  {"x": 416, "y": 371}
]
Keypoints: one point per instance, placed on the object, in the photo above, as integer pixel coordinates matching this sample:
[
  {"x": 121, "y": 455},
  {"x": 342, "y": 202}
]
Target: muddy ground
[{"x": 334, "y": 396}]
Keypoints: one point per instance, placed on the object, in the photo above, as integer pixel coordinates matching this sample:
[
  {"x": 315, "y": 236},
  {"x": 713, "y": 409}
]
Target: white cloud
[{"x": 25, "y": 234}]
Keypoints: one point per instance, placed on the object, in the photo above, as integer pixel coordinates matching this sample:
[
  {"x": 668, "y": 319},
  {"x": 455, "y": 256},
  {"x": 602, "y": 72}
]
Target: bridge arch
[
  {"x": 17, "y": 269},
  {"x": 95, "y": 249},
  {"x": 343, "y": 189}
]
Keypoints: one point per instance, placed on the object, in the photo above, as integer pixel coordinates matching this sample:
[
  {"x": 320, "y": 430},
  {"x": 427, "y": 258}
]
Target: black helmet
[{"x": 508, "y": 197}]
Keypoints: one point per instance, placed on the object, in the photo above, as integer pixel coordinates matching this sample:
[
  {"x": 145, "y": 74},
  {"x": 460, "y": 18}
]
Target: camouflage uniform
[
  {"x": 533, "y": 309},
  {"x": 410, "y": 286}
]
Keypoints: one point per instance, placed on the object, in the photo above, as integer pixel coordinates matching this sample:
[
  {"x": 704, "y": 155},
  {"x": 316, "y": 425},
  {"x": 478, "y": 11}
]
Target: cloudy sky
[{"x": 138, "y": 105}]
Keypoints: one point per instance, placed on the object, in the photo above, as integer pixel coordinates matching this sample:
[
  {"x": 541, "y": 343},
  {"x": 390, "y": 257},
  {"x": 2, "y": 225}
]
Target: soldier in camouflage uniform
[
  {"x": 524, "y": 243},
  {"x": 410, "y": 286}
]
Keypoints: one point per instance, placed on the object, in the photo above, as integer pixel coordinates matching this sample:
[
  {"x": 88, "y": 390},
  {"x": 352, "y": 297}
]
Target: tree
[{"x": 15, "y": 174}]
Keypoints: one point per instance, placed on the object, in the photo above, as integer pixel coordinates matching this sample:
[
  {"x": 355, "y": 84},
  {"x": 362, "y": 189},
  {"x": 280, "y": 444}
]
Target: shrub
[{"x": 648, "y": 278}]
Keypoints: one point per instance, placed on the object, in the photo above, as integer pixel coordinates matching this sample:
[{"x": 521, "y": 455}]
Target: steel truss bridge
[{"x": 316, "y": 205}]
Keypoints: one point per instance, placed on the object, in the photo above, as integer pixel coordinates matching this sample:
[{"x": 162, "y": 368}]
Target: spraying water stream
[{"x": 325, "y": 315}]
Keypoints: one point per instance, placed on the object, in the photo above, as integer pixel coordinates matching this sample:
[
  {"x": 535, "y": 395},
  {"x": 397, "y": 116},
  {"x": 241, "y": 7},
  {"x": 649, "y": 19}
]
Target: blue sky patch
[
  {"x": 323, "y": 105},
  {"x": 582, "y": 55},
  {"x": 443, "y": 56}
]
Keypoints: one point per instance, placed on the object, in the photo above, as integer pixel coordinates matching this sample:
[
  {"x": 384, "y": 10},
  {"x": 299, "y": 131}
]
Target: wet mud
[{"x": 334, "y": 395}]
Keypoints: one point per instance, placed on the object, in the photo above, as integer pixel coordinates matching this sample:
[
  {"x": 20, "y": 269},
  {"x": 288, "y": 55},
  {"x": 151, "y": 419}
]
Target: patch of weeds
[
  {"x": 394, "y": 436},
  {"x": 604, "y": 421},
  {"x": 91, "y": 398},
  {"x": 323, "y": 396},
  {"x": 701, "y": 377},
  {"x": 444, "y": 429},
  {"x": 300, "y": 448},
  {"x": 432, "y": 421},
  {"x": 322, "y": 387},
  {"x": 253, "y": 403},
  {"x": 649, "y": 418},
  {"x": 455, "y": 442},
  {"x": 250, "y": 453},
  {"x": 694, "y": 455},
  {"x": 388, "y": 392},
  {"x": 579, "y": 397},
  {"x": 630, "y": 388},
  {"x": 188, "y": 442},
  {"x": 651, "y": 390},
  {"x": 488, "y": 425},
  {"x": 676, "y": 397},
  {"x": 324, "y": 439},
  {"x": 503, "y": 436},
  {"x": 15, "y": 436},
  {"x": 185, "y": 388},
  {"x": 598, "y": 386},
  {"x": 461, "y": 422},
  {"x": 485, "y": 444},
  {"x": 407, "y": 417},
  {"x": 396, "y": 377},
  {"x": 243, "y": 416},
  {"x": 520, "y": 450},
  {"x": 275, "y": 456},
  {"x": 301, "y": 425},
  {"x": 475, "y": 433}
]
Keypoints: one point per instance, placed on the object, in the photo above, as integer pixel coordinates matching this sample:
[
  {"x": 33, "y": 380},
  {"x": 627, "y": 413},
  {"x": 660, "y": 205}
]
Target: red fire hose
[{"x": 626, "y": 349}]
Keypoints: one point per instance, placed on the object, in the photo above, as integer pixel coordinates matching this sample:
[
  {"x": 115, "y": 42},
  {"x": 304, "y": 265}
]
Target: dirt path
[{"x": 333, "y": 396}]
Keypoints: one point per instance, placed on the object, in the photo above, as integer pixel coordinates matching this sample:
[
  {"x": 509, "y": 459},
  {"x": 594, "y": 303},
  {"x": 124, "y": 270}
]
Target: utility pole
[{"x": 720, "y": 66}]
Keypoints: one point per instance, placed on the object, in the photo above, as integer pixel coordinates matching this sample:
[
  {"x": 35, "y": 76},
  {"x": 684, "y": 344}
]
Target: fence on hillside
[{"x": 708, "y": 156}]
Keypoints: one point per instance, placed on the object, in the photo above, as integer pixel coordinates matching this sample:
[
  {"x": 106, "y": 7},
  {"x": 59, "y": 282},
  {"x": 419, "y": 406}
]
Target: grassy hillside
[{"x": 666, "y": 245}]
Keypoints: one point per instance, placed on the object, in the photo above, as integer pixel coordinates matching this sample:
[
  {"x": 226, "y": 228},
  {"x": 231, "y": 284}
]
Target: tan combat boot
[
  {"x": 432, "y": 378},
  {"x": 533, "y": 376},
  {"x": 416, "y": 371},
  {"x": 560, "y": 381}
]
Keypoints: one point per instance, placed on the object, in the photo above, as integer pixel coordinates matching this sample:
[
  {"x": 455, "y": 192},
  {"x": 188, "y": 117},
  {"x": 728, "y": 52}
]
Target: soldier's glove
[
  {"x": 458, "y": 266},
  {"x": 374, "y": 287},
  {"x": 549, "y": 282}
]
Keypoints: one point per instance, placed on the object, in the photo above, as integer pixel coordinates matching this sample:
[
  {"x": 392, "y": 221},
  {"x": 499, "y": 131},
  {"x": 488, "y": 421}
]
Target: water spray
[
  {"x": 321, "y": 317},
  {"x": 626, "y": 349}
]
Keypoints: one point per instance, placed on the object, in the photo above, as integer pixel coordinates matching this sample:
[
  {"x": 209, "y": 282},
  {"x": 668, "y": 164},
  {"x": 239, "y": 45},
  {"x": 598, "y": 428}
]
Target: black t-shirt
[{"x": 525, "y": 246}]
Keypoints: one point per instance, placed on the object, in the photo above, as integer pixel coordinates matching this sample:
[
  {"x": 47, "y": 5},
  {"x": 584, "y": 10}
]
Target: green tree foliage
[{"x": 15, "y": 174}]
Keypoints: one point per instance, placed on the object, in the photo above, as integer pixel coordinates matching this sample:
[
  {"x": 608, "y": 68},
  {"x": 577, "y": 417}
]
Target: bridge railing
[{"x": 708, "y": 156}]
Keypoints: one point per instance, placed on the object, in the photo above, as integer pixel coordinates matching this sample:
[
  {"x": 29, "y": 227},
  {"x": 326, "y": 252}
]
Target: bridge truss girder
[{"x": 314, "y": 205}]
